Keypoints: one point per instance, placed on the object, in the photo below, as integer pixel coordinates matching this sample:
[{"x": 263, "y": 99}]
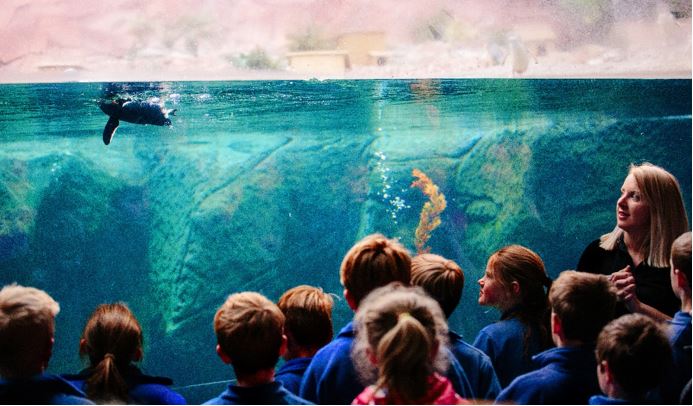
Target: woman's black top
[{"x": 653, "y": 285}]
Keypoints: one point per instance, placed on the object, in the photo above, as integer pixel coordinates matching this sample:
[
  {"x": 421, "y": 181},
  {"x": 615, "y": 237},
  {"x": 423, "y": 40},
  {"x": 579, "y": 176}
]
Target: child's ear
[
  {"x": 43, "y": 354},
  {"x": 681, "y": 280},
  {"x": 608, "y": 375},
  {"x": 224, "y": 358},
  {"x": 284, "y": 345},
  {"x": 351, "y": 301},
  {"x": 138, "y": 355},
  {"x": 515, "y": 287},
  {"x": 556, "y": 327}
]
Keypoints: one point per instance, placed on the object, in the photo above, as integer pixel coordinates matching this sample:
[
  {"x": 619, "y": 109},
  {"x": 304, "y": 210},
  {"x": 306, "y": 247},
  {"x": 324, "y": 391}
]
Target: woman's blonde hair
[
  {"x": 406, "y": 331},
  {"x": 668, "y": 218}
]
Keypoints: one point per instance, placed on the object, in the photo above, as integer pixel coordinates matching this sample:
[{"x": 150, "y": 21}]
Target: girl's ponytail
[
  {"x": 112, "y": 339},
  {"x": 106, "y": 384},
  {"x": 400, "y": 336},
  {"x": 404, "y": 358}
]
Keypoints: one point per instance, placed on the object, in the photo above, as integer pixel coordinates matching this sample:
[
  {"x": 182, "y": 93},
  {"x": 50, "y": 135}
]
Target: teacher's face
[{"x": 632, "y": 211}]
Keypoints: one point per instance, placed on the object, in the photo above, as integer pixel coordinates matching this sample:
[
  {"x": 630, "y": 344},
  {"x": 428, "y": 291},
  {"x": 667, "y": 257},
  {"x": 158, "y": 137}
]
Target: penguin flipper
[{"x": 110, "y": 129}]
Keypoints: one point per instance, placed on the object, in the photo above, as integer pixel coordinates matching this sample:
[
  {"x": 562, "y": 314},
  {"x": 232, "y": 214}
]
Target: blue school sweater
[
  {"x": 680, "y": 340},
  {"x": 567, "y": 375},
  {"x": 331, "y": 378},
  {"x": 503, "y": 342},
  {"x": 142, "y": 389},
  {"x": 291, "y": 373},
  {"x": 43, "y": 389},
  {"x": 477, "y": 366},
  {"x": 603, "y": 400},
  {"x": 272, "y": 393}
]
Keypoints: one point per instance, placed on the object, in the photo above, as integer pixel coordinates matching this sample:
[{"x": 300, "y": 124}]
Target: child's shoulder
[{"x": 503, "y": 326}]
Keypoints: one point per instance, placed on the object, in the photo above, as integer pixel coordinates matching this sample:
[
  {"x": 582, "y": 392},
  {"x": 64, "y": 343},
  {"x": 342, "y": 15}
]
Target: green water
[{"x": 265, "y": 185}]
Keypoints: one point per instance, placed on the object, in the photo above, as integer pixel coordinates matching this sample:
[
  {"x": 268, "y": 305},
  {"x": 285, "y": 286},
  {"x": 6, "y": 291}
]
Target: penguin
[{"x": 136, "y": 112}]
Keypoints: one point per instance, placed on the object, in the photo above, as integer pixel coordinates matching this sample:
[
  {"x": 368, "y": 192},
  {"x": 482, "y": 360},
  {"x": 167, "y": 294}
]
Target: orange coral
[{"x": 430, "y": 213}]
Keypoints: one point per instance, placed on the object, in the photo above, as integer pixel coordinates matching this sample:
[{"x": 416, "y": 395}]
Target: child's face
[{"x": 492, "y": 292}]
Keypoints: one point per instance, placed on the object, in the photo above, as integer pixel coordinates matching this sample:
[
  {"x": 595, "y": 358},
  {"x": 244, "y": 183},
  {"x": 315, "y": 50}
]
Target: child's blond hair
[
  {"x": 308, "y": 313},
  {"x": 440, "y": 277},
  {"x": 27, "y": 324},
  {"x": 249, "y": 329}
]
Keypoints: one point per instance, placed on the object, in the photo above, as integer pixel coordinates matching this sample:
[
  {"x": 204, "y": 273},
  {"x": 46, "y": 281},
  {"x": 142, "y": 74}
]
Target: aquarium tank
[
  {"x": 265, "y": 177},
  {"x": 265, "y": 185}
]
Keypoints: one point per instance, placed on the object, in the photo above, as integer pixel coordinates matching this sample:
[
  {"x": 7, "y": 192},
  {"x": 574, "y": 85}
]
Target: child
[
  {"x": 632, "y": 355},
  {"x": 373, "y": 262},
  {"x": 27, "y": 327},
  {"x": 680, "y": 325},
  {"x": 308, "y": 327},
  {"x": 443, "y": 279},
  {"x": 514, "y": 283},
  {"x": 112, "y": 339},
  {"x": 250, "y": 338},
  {"x": 400, "y": 331},
  {"x": 581, "y": 305}
]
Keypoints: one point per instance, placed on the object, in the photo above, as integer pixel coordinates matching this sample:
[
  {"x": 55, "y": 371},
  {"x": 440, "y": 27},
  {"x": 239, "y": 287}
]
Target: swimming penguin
[{"x": 137, "y": 112}]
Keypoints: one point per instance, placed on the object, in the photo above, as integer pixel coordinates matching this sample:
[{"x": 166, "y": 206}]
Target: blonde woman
[{"x": 649, "y": 216}]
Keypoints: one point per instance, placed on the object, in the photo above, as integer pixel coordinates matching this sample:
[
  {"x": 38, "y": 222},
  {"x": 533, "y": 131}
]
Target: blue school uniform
[
  {"x": 477, "y": 366},
  {"x": 43, "y": 389},
  {"x": 567, "y": 375},
  {"x": 272, "y": 393},
  {"x": 680, "y": 374},
  {"x": 503, "y": 342},
  {"x": 291, "y": 373},
  {"x": 331, "y": 378},
  {"x": 142, "y": 389},
  {"x": 604, "y": 400}
]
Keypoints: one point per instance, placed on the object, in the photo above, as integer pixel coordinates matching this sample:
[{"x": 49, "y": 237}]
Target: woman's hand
[{"x": 624, "y": 282}]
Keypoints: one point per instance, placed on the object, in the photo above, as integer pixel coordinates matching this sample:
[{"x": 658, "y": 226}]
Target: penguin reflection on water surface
[{"x": 136, "y": 112}]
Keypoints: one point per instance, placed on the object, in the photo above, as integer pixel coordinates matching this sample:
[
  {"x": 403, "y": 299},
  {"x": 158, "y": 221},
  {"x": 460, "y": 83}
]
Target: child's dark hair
[
  {"x": 112, "y": 337},
  {"x": 637, "y": 351},
  {"x": 515, "y": 263},
  {"x": 373, "y": 262},
  {"x": 440, "y": 277},
  {"x": 403, "y": 328},
  {"x": 584, "y": 303},
  {"x": 308, "y": 312}
]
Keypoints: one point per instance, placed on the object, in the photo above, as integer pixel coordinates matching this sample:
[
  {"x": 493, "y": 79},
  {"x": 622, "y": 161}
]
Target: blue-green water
[{"x": 265, "y": 185}]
